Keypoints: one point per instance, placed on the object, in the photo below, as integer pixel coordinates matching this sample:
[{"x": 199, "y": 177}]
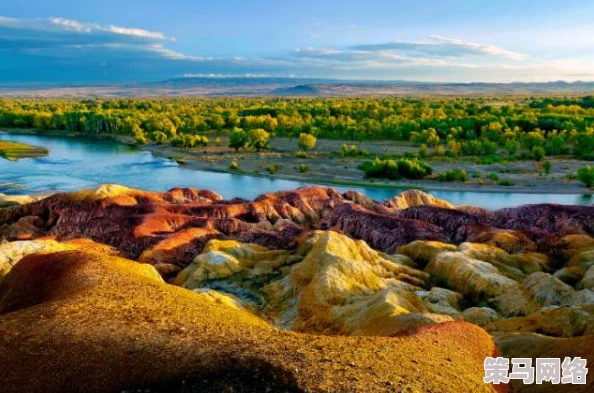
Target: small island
[{"x": 13, "y": 151}]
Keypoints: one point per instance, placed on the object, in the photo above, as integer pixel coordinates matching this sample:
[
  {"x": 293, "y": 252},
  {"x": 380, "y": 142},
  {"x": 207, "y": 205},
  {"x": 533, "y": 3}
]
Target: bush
[
  {"x": 538, "y": 153},
  {"x": 414, "y": 169},
  {"x": 439, "y": 151},
  {"x": 488, "y": 160},
  {"x": 303, "y": 168},
  {"x": 189, "y": 141},
  {"x": 379, "y": 168},
  {"x": 273, "y": 168},
  {"x": 307, "y": 141},
  {"x": 547, "y": 167},
  {"x": 352, "y": 151},
  {"x": 410, "y": 169},
  {"x": 301, "y": 154},
  {"x": 453, "y": 175},
  {"x": 159, "y": 137},
  {"x": 140, "y": 139},
  {"x": 423, "y": 151},
  {"x": 493, "y": 176},
  {"x": 586, "y": 175},
  {"x": 234, "y": 166},
  {"x": 506, "y": 183}
]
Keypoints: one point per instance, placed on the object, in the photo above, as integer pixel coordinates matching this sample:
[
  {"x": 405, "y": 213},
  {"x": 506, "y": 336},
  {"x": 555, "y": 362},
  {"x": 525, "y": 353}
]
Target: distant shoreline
[{"x": 217, "y": 160}]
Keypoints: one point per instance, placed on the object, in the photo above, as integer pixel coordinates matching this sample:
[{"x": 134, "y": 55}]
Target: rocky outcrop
[
  {"x": 532, "y": 345},
  {"x": 331, "y": 284},
  {"x": 412, "y": 198},
  {"x": 11, "y": 253},
  {"x": 312, "y": 260},
  {"x": 84, "y": 322},
  {"x": 169, "y": 229}
]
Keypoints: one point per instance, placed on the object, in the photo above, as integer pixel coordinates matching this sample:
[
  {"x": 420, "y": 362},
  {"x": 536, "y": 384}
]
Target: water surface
[{"x": 79, "y": 162}]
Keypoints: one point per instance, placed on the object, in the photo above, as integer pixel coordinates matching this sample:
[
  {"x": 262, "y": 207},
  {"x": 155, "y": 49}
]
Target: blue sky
[{"x": 432, "y": 40}]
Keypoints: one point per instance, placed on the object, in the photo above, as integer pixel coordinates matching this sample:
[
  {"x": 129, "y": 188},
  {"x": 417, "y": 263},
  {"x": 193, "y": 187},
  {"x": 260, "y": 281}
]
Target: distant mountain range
[{"x": 290, "y": 87}]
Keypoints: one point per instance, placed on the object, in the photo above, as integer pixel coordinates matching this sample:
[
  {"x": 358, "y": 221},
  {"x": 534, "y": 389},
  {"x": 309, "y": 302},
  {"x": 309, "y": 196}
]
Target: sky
[{"x": 74, "y": 41}]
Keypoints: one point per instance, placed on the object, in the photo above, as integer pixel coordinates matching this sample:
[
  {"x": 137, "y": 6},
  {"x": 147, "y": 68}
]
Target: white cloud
[
  {"x": 442, "y": 47},
  {"x": 59, "y": 49}
]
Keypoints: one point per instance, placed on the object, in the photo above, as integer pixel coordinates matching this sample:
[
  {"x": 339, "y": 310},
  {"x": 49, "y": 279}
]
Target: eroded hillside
[{"x": 319, "y": 291}]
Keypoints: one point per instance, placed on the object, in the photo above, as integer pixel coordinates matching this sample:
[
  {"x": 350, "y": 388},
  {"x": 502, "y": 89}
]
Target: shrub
[
  {"x": 381, "y": 169},
  {"x": 273, "y": 168},
  {"x": 488, "y": 160},
  {"x": 586, "y": 175},
  {"x": 506, "y": 183},
  {"x": 303, "y": 168},
  {"x": 453, "y": 175},
  {"x": 411, "y": 169},
  {"x": 159, "y": 137},
  {"x": 140, "y": 139},
  {"x": 512, "y": 147},
  {"x": 217, "y": 141},
  {"x": 423, "y": 151},
  {"x": 538, "y": 153},
  {"x": 234, "y": 166},
  {"x": 547, "y": 167},
  {"x": 439, "y": 151},
  {"x": 414, "y": 169},
  {"x": 189, "y": 140},
  {"x": 493, "y": 176},
  {"x": 455, "y": 148},
  {"x": 307, "y": 141},
  {"x": 352, "y": 151},
  {"x": 301, "y": 154}
]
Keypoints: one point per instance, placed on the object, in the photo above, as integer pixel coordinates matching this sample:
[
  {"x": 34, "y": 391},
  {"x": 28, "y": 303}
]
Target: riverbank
[
  {"x": 325, "y": 166},
  {"x": 13, "y": 151}
]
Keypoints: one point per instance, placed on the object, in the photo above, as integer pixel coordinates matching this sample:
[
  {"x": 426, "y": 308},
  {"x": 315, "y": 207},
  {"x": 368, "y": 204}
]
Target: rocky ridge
[{"x": 316, "y": 261}]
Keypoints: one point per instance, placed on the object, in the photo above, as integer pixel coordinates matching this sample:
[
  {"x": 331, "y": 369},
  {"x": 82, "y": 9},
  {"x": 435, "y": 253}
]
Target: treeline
[{"x": 478, "y": 125}]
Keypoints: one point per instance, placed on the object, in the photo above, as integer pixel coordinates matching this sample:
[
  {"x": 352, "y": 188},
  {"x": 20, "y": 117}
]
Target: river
[{"x": 79, "y": 162}]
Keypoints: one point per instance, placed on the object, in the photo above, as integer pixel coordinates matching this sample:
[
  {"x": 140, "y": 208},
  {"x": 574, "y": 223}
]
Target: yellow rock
[
  {"x": 411, "y": 198},
  {"x": 510, "y": 265},
  {"x": 583, "y": 258},
  {"x": 588, "y": 280},
  {"x": 12, "y": 252},
  {"x": 342, "y": 286},
  {"x": 552, "y": 321},
  {"x": 423, "y": 251},
  {"x": 330, "y": 284},
  {"x": 222, "y": 259}
]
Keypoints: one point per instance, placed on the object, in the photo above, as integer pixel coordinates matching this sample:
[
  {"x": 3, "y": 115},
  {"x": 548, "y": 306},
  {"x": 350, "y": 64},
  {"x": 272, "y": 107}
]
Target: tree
[
  {"x": 512, "y": 147},
  {"x": 586, "y": 175},
  {"x": 584, "y": 145},
  {"x": 556, "y": 145},
  {"x": 307, "y": 141},
  {"x": 238, "y": 139},
  {"x": 258, "y": 139}
]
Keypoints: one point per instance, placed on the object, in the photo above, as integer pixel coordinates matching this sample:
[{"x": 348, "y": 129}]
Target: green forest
[{"x": 482, "y": 126}]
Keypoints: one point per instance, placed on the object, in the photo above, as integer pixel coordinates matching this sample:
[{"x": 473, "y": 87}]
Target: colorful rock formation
[
  {"x": 312, "y": 261},
  {"x": 85, "y": 322}
]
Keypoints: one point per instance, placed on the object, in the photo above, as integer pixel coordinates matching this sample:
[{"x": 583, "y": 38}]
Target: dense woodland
[{"x": 461, "y": 126}]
